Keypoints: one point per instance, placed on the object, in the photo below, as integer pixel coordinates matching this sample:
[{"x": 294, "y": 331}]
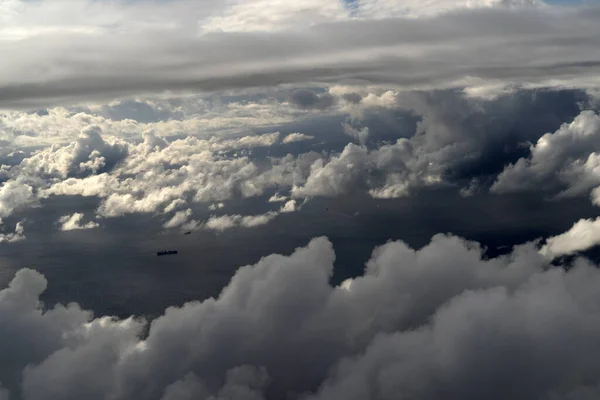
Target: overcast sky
[{"x": 370, "y": 199}]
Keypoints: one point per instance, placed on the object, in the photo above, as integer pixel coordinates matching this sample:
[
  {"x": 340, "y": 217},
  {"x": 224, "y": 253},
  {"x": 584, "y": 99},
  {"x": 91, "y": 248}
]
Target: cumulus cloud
[
  {"x": 157, "y": 115},
  {"x": 74, "y": 222},
  {"x": 388, "y": 172},
  {"x": 564, "y": 160},
  {"x": 96, "y": 61},
  {"x": 583, "y": 235},
  {"x": 154, "y": 176},
  {"x": 16, "y": 236},
  {"x": 277, "y": 198},
  {"x": 279, "y": 329},
  {"x": 90, "y": 154},
  {"x": 15, "y": 195},
  {"x": 289, "y": 206},
  {"x": 296, "y": 137},
  {"x": 455, "y": 142}
]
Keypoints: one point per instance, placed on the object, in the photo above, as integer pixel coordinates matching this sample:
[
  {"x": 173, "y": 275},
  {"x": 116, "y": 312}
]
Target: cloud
[
  {"x": 390, "y": 171},
  {"x": 565, "y": 159},
  {"x": 277, "y": 198},
  {"x": 279, "y": 328},
  {"x": 73, "y": 222},
  {"x": 454, "y": 355},
  {"x": 457, "y": 141},
  {"x": 273, "y": 15},
  {"x": 90, "y": 154},
  {"x": 180, "y": 218},
  {"x": 159, "y": 115},
  {"x": 223, "y": 222},
  {"x": 158, "y": 177},
  {"x": 15, "y": 195},
  {"x": 296, "y": 137},
  {"x": 39, "y": 333},
  {"x": 360, "y": 135},
  {"x": 544, "y": 47},
  {"x": 247, "y": 142},
  {"x": 306, "y": 98},
  {"x": 216, "y": 206},
  {"x": 583, "y": 235},
  {"x": 289, "y": 206},
  {"x": 16, "y": 236}
]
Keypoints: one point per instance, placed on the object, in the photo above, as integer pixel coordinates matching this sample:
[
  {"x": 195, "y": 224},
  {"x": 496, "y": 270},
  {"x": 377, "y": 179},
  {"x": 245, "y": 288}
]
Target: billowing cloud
[
  {"x": 74, "y": 222},
  {"x": 90, "y": 154},
  {"x": 565, "y": 160},
  {"x": 432, "y": 93},
  {"x": 388, "y": 172},
  {"x": 15, "y": 195},
  {"x": 279, "y": 328},
  {"x": 455, "y": 143},
  {"x": 154, "y": 176}
]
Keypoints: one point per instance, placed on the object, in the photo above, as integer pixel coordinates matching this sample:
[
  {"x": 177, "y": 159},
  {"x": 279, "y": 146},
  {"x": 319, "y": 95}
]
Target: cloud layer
[
  {"x": 472, "y": 47},
  {"x": 436, "y": 323}
]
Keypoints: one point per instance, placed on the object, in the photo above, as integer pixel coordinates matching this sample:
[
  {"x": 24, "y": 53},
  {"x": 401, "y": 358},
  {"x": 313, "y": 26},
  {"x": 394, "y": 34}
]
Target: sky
[{"x": 369, "y": 200}]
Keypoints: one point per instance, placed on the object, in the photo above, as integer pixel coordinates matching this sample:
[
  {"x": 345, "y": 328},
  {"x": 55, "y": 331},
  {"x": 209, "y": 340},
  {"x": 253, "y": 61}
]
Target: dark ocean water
[{"x": 114, "y": 270}]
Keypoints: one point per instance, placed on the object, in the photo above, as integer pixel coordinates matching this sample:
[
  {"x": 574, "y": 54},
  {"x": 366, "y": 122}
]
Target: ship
[{"x": 166, "y": 252}]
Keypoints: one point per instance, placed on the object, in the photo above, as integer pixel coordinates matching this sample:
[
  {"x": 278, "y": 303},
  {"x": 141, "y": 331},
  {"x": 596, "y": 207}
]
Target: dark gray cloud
[
  {"x": 306, "y": 98},
  {"x": 464, "y": 326},
  {"x": 473, "y": 138},
  {"x": 540, "y": 47}
]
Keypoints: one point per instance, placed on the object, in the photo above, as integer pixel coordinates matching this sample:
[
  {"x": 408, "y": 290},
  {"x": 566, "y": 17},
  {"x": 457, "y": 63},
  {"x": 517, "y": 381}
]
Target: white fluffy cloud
[
  {"x": 74, "y": 222},
  {"x": 289, "y": 206},
  {"x": 163, "y": 175},
  {"x": 90, "y": 154},
  {"x": 130, "y": 118},
  {"x": 15, "y": 195},
  {"x": 150, "y": 177},
  {"x": 564, "y": 160},
  {"x": 584, "y": 235},
  {"x": 280, "y": 328},
  {"x": 388, "y": 172}
]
